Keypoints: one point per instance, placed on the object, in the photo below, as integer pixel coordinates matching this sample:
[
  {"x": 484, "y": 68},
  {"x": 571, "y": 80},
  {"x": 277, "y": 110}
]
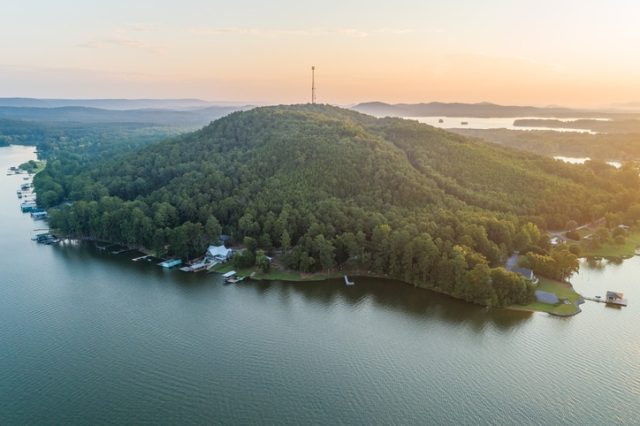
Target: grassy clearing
[
  {"x": 33, "y": 166},
  {"x": 276, "y": 274},
  {"x": 611, "y": 249},
  {"x": 560, "y": 289}
]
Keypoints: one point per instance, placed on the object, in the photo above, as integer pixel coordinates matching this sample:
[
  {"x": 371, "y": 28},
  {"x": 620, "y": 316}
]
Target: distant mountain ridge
[
  {"x": 112, "y": 104},
  {"x": 79, "y": 114},
  {"x": 482, "y": 109}
]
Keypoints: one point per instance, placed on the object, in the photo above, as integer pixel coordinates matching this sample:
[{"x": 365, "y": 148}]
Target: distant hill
[
  {"x": 77, "y": 114},
  {"x": 483, "y": 109},
  {"x": 117, "y": 104},
  {"x": 332, "y": 189}
]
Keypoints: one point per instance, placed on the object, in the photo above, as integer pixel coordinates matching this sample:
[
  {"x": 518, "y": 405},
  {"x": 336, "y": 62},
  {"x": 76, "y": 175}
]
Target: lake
[
  {"x": 582, "y": 160},
  {"x": 496, "y": 123},
  {"x": 88, "y": 337}
]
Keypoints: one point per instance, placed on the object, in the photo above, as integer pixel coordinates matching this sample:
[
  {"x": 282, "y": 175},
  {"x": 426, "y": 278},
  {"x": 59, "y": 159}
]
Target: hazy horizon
[{"x": 573, "y": 54}]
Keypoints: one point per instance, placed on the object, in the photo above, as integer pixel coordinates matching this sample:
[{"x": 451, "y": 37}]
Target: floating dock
[
  {"x": 612, "y": 298},
  {"x": 347, "y": 282},
  {"x": 145, "y": 257},
  {"x": 231, "y": 277}
]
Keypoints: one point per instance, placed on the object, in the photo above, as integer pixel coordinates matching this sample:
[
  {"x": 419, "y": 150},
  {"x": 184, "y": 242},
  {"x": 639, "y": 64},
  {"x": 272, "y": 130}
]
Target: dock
[
  {"x": 145, "y": 257},
  {"x": 612, "y": 298},
  {"x": 232, "y": 277},
  {"x": 347, "y": 282},
  {"x": 124, "y": 250}
]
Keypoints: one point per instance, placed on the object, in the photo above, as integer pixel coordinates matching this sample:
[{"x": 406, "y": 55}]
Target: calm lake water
[
  {"x": 91, "y": 338},
  {"x": 495, "y": 123}
]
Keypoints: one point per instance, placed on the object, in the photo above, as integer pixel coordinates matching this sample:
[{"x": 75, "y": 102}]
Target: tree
[
  {"x": 566, "y": 263},
  {"x": 323, "y": 251},
  {"x": 262, "y": 261}
]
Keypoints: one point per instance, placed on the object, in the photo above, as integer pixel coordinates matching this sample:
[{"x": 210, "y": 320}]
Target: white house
[{"x": 219, "y": 253}]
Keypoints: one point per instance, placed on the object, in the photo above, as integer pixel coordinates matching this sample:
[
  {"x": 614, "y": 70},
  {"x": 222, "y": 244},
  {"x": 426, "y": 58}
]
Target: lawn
[
  {"x": 613, "y": 250},
  {"x": 563, "y": 291},
  {"x": 275, "y": 274}
]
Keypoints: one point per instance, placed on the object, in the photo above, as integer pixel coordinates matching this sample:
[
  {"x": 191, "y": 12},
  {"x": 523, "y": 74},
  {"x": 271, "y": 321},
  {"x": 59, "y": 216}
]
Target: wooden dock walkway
[
  {"x": 618, "y": 302},
  {"x": 141, "y": 258}
]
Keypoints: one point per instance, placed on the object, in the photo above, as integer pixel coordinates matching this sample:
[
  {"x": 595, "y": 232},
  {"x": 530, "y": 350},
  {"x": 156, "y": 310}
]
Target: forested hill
[{"x": 331, "y": 188}]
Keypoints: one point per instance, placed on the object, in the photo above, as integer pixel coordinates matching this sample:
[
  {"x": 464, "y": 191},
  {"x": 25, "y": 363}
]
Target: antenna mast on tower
[{"x": 313, "y": 85}]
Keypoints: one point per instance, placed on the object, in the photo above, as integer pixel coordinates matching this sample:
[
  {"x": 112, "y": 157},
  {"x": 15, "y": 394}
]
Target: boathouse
[
  {"x": 170, "y": 263},
  {"x": 616, "y": 298}
]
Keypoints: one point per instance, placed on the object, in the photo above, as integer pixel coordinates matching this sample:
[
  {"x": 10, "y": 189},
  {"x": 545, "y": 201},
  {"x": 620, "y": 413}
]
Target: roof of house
[
  {"x": 218, "y": 251},
  {"x": 512, "y": 265}
]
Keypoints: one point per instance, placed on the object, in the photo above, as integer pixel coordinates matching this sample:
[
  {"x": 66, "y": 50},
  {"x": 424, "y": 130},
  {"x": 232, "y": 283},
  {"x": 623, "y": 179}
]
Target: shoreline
[{"x": 288, "y": 276}]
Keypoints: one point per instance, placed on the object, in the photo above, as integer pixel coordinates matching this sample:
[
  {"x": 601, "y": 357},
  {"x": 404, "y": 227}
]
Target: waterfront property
[
  {"x": 219, "y": 254},
  {"x": 170, "y": 263},
  {"x": 514, "y": 266}
]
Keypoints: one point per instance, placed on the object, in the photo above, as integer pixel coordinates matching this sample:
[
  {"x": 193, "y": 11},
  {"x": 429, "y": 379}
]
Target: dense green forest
[
  {"x": 85, "y": 140},
  {"x": 327, "y": 188},
  {"x": 603, "y": 147}
]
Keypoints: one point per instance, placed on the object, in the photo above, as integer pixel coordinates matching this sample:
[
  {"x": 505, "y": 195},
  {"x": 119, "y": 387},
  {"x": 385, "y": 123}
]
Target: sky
[{"x": 562, "y": 52}]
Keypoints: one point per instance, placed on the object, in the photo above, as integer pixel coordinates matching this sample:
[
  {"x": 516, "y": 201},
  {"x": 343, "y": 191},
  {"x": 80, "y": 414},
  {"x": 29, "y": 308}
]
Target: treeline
[
  {"x": 600, "y": 147},
  {"x": 330, "y": 189}
]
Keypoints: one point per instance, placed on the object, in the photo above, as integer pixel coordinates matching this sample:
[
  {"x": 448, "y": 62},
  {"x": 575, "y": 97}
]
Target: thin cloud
[
  {"x": 123, "y": 42},
  {"x": 314, "y": 32}
]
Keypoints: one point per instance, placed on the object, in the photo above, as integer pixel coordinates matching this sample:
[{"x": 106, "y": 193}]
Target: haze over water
[{"x": 88, "y": 337}]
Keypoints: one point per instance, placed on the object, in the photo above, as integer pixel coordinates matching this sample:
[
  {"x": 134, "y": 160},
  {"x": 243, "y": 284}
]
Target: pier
[
  {"x": 611, "y": 299},
  {"x": 347, "y": 282},
  {"x": 145, "y": 257}
]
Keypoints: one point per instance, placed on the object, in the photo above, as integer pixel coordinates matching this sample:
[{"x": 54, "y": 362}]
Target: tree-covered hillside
[{"x": 329, "y": 188}]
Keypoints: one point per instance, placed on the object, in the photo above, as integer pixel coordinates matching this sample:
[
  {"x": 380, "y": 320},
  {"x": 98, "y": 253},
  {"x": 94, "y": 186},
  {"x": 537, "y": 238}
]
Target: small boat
[{"x": 47, "y": 239}]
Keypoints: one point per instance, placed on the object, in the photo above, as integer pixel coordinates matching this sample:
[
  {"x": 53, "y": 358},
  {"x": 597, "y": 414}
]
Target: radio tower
[{"x": 313, "y": 85}]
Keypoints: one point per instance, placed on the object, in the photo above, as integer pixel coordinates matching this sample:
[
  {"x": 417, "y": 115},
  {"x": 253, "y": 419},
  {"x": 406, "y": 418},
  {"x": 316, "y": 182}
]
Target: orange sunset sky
[{"x": 574, "y": 53}]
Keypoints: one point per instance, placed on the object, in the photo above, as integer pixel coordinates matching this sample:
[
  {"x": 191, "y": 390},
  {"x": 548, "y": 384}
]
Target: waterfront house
[
  {"x": 219, "y": 253},
  {"x": 513, "y": 266},
  {"x": 556, "y": 241}
]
